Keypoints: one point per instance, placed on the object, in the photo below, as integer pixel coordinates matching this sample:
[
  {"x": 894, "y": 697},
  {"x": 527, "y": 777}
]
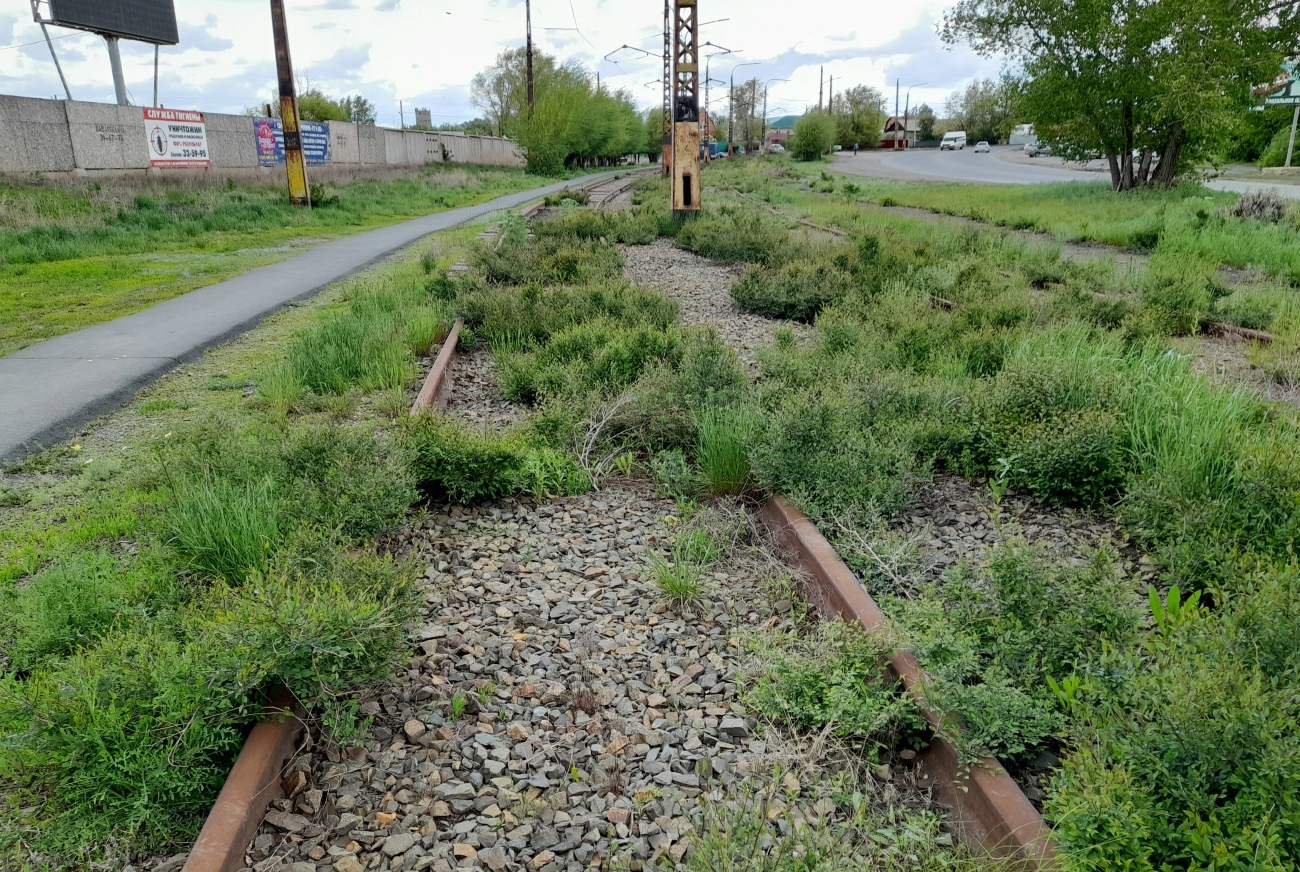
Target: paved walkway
[{"x": 49, "y": 390}]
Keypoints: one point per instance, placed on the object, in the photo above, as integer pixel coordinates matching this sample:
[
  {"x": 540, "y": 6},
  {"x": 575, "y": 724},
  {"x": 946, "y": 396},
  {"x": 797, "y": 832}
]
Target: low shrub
[
  {"x": 734, "y": 237},
  {"x": 674, "y": 472},
  {"x": 1076, "y": 459},
  {"x": 636, "y": 227},
  {"x": 797, "y": 290},
  {"x": 64, "y": 608},
  {"x": 462, "y": 465},
  {"x": 836, "y": 680}
]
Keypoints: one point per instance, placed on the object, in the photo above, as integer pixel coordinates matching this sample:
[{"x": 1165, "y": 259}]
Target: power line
[{"x": 39, "y": 41}]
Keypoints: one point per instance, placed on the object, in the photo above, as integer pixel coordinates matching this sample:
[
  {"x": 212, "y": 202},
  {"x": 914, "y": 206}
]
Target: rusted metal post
[
  {"x": 295, "y": 162},
  {"x": 686, "y": 111},
  {"x": 668, "y": 90}
]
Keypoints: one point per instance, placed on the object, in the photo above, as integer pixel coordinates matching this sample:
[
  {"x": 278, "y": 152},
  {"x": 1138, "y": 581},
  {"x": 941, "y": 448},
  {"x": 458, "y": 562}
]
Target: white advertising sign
[{"x": 177, "y": 138}]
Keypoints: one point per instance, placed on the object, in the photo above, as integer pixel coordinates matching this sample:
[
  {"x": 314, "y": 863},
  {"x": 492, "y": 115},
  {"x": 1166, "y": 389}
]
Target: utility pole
[
  {"x": 295, "y": 162},
  {"x": 686, "y": 110},
  {"x": 401, "y": 114},
  {"x": 115, "y": 61},
  {"x": 897, "y": 82},
  {"x": 528, "y": 29},
  {"x": 830, "y": 108},
  {"x": 667, "y": 87},
  {"x": 821, "y": 86},
  {"x": 763, "y": 146}
]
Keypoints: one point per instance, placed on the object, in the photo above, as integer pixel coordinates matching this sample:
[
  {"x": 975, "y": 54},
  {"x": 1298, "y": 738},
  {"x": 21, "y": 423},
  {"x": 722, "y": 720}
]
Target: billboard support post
[
  {"x": 115, "y": 61},
  {"x": 295, "y": 163},
  {"x": 155, "y": 75},
  {"x": 1290, "y": 146}
]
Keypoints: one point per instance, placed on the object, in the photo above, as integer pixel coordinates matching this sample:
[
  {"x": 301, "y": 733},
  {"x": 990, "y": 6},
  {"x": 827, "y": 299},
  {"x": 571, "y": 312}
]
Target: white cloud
[{"x": 425, "y": 53}]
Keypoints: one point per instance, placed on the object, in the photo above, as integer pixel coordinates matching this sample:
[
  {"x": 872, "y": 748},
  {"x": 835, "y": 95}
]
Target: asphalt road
[
  {"x": 1004, "y": 165},
  {"x": 49, "y": 390}
]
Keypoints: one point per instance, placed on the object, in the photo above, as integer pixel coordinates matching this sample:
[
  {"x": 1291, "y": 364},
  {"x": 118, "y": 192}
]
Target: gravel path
[
  {"x": 702, "y": 290},
  {"x": 556, "y": 712},
  {"x": 474, "y": 395}
]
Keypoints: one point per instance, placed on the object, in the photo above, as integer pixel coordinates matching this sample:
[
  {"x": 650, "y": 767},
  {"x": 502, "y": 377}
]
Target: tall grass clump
[
  {"x": 722, "y": 451},
  {"x": 221, "y": 528}
]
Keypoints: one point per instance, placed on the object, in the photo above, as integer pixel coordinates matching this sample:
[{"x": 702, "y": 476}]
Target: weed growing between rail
[{"x": 962, "y": 350}]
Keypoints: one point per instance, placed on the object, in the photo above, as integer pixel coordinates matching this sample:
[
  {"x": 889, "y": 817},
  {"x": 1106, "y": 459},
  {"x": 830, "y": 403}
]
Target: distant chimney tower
[{"x": 423, "y": 118}]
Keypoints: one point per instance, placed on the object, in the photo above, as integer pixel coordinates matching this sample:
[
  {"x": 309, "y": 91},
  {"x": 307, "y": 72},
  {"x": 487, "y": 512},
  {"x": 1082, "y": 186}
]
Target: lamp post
[
  {"x": 708, "y": 58},
  {"x": 731, "y": 102},
  {"x": 763, "y": 141},
  {"x": 907, "y": 106}
]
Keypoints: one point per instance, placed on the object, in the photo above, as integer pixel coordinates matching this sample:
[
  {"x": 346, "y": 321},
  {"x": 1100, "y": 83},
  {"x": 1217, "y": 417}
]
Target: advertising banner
[
  {"x": 269, "y": 133},
  {"x": 177, "y": 138},
  {"x": 1282, "y": 91}
]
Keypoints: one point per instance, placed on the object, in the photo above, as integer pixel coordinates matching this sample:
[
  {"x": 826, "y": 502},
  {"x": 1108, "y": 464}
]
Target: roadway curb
[
  {"x": 253, "y": 784},
  {"x": 992, "y": 813},
  {"x": 432, "y": 394}
]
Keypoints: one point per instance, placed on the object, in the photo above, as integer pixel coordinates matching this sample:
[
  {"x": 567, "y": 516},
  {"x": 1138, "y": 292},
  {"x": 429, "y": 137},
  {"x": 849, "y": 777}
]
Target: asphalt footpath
[{"x": 48, "y": 391}]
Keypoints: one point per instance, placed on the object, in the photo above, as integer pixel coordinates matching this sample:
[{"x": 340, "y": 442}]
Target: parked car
[
  {"x": 776, "y": 148},
  {"x": 953, "y": 139},
  {"x": 1034, "y": 149},
  {"x": 981, "y": 146}
]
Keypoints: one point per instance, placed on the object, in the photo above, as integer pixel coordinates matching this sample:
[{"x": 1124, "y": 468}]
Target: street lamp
[
  {"x": 724, "y": 50},
  {"x": 763, "y": 141},
  {"x": 907, "y": 105},
  {"x": 731, "y": 101}
]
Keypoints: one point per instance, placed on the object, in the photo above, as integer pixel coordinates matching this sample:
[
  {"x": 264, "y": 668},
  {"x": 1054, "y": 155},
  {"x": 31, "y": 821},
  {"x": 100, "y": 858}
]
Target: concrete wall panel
[
  {"x": 107, "y": 137},
  {"x": 34, "y": 136},
  {"x": 394, "y": 147},
  {"x": 370, "y": 144},
  {"x": 344, "y": 144},
  {"x": 230, "y": 140}
]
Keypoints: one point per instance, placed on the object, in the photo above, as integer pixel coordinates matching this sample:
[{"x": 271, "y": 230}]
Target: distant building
[
  {"x": 424, "y": 118},
  {"x": 894, "y": 135},
  {"x": 1023, "y": 133},
  {"x": 781, "y": 128}
]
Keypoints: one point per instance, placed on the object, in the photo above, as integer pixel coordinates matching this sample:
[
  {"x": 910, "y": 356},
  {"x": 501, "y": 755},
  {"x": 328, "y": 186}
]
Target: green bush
[
  {"x": 462, "y": 465},
  {"x": 636, "y": 227},
  {"x": 744, "y": 237},
  {"x": 797, "y": 290},
  {"x": 674, "y": 472},
  {"x": 1077, "y": 459},
  {"x": 836, "y": 680},
  {"x": 814, "y": 134}
]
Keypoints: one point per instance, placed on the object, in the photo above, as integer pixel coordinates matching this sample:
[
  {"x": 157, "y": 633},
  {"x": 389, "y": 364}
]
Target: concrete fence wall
[{"x": 53, "y": 136}]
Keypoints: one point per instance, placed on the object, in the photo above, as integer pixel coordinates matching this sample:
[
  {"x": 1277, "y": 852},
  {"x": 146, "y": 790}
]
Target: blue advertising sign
[{"x": 269, "y": 133}]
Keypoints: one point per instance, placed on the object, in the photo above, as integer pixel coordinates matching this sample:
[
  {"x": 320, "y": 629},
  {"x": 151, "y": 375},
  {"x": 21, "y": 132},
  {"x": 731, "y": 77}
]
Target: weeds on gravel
[
  {"x": 835, "y": 679},
  {"x": 756, "y": 827},
  {"x": 680, "y": 580}
]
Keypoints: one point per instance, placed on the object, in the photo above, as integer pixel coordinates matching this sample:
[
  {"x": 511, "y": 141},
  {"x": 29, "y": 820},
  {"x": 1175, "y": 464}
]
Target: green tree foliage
[
  {"x": 359, "y": 109},
  {"x": 314, "y": 105},
  {"x": 984, "y": 109},
  {"x": 925, "y": 119},
  {"x": 654, "y": 131},
  {"x": 814, "y": 134},
  {"x": 571, "y": 122},
  {"x": 1163, "y": 77},
  {"x": 859, "y": 114}
]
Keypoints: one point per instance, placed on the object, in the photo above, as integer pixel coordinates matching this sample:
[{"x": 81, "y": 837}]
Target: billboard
[
  {"x": 177, "y": 138},
  {"x": 269, "y": 133},
  {"x": 1283, "y": 90},
  {"x": 143, "y": 20}
]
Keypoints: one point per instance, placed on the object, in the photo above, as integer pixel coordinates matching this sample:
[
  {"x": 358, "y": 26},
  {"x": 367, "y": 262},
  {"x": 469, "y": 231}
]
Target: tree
[
  {"x": 859, "y": 114},
  {"x": 359, "y": 109},
  {"x": 814, "y": 134},
  {"x": 1160, "y": 77},
  {"x": 313, "y": 105},
  {"x": 985, "y": 109},
  {"x": 925, "y": 119},
  {"x": 654, "y": 132}
]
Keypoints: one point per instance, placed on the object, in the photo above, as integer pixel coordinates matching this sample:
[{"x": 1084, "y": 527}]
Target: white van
[{"x": 953, "y": 139}]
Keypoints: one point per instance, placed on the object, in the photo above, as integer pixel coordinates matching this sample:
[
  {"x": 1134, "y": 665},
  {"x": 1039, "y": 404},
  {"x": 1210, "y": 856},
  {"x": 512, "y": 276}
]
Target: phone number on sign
[{"x": 191, "y": 152}]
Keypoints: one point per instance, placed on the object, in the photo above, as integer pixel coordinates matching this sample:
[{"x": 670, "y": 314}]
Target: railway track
[{"x": 614, "y": 192}]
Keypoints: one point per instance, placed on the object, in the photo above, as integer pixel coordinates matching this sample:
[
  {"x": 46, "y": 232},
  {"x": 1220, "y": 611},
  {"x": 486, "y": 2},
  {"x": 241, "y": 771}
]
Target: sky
[{"x": 407, "y": 53}]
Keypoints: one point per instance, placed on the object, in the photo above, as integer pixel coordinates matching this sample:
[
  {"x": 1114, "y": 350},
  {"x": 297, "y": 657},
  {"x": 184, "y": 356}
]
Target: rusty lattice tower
[
  {"x": 667, "y": 81},
  {"x": 686, "y": 109}
]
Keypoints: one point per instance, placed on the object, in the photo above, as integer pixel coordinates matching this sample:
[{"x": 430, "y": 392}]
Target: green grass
[
  {"x": 1184, "y": 221},
  {"x": 79, "y": 255},
  {"x": 159, "y": 575}
]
